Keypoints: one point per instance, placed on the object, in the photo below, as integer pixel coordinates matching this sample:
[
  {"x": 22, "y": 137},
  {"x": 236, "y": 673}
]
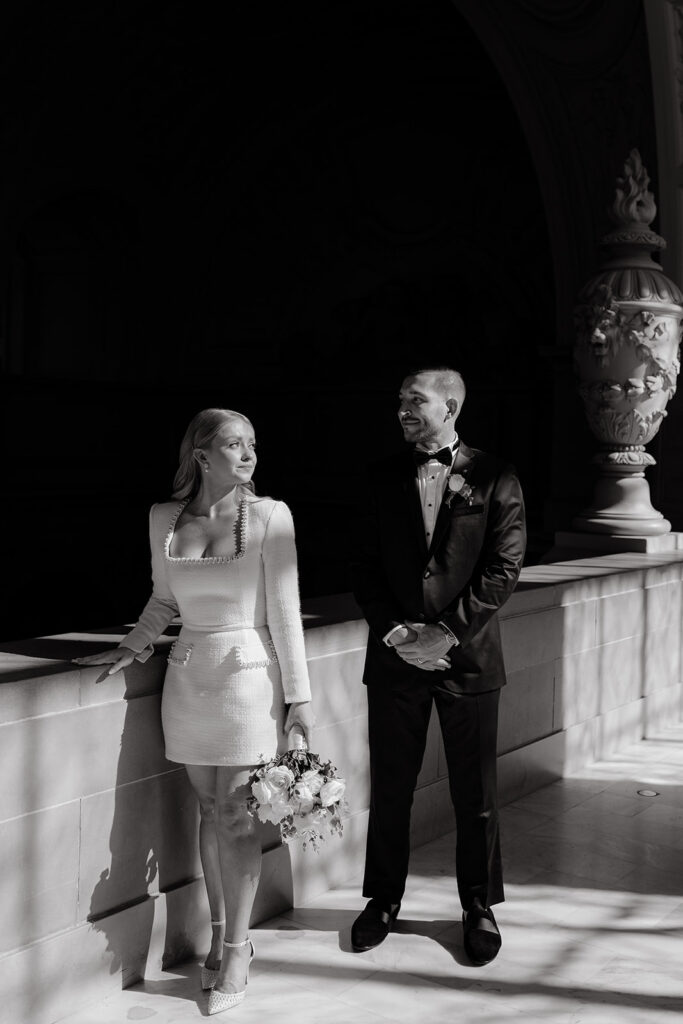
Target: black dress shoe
[
  {"x": 372, "y": 926},
  {"x": 482, "y": 938}
]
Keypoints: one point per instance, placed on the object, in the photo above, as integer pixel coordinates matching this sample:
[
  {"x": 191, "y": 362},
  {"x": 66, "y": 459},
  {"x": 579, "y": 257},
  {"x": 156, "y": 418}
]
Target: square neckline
[{"x": 239, "y": 530}]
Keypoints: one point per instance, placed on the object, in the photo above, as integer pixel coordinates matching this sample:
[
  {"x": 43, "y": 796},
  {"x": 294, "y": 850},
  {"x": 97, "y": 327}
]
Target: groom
[{"x": 439, "y": 552}]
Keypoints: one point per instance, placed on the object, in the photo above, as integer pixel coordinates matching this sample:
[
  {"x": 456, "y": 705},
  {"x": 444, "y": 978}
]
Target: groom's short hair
[{"x": 447, "y": 381}]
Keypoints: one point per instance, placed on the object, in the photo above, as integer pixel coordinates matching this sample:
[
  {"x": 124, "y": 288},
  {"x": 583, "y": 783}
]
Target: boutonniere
[{"x": 458, "y": 487}]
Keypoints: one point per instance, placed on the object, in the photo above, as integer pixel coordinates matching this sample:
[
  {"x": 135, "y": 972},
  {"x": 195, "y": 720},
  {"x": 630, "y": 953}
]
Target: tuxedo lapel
[
  {"x": 461, "y": 464},
  {"x": 414, "y": 509}
]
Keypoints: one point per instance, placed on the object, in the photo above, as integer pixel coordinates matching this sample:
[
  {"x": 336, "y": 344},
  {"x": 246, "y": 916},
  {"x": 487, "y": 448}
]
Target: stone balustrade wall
[{"x": 100, "y": 873}]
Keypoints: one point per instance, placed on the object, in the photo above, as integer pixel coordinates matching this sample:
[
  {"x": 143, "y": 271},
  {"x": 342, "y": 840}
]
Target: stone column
[{"x": 626, "y": 355}]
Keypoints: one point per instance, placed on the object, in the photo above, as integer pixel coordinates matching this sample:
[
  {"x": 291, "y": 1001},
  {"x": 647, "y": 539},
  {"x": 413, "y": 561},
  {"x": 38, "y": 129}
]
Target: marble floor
[{"x": 592, "y": 927}]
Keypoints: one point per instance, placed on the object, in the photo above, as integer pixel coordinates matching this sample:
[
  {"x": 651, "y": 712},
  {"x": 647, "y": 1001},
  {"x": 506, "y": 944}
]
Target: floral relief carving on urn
[{"x": 626, "y": 355}]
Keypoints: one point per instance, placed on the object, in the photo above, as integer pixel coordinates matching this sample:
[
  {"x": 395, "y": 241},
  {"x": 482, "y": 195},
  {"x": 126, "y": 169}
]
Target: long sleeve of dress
[
  {"x": 162, "y": 606},
  {"x": 283, "y": 609}
]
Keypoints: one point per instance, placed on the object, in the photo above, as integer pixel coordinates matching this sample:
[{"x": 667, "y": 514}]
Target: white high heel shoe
[
  {"x": 219, "y": 1001},
  {"x": 209, "y": 974}
]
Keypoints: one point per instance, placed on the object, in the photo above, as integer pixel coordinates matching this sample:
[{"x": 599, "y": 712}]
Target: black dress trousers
[{"x": 398, "y": 718}]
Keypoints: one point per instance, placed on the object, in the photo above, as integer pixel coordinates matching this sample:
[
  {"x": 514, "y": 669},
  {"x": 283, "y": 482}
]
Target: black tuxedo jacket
[{"x": 462, "y": 579}]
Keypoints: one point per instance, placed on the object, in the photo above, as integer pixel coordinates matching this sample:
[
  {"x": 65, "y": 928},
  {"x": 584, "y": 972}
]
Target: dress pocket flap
[
  {"x": 258, "y": 655},
  {"x": 180, "y": 653}
]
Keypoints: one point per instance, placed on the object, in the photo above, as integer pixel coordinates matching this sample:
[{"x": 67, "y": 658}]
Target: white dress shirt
[
  {"x": 432, "y": 477},
  {"x": 431, "y": 484}
]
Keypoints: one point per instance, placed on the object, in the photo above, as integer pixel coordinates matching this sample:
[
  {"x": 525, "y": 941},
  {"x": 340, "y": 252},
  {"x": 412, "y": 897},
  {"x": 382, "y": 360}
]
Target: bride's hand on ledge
[{"x": 118, "y": 658}]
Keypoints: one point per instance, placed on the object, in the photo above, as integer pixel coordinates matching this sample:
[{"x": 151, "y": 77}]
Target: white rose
[
  {"x": 456, "y": 482},
  {"x": 306, "y": 800},
  {"x": 262, "y": 791},
  {"x": 273, "y": 812},
  {"x": 332, "y": 792},
  {"x": 280, "y": 777},
  {"x": 313, "y": 779}
]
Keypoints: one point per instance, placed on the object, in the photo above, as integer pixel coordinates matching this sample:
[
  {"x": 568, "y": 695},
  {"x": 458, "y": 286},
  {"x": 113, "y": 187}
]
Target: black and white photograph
[{"x": 341, "y": 621}]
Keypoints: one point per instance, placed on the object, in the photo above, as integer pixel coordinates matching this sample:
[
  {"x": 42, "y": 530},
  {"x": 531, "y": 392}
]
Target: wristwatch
[{"x": 449, "y": 634}]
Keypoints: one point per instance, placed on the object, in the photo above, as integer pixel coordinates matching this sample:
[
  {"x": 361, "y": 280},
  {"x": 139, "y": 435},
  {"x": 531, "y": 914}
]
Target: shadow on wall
[{"x": 151, "y": 820}]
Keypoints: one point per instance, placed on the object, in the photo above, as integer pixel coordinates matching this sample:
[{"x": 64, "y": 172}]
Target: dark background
[{"x": 280, "y": 208}]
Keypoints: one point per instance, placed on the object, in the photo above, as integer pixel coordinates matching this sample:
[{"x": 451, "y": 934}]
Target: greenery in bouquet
[{"x": 301, "y": 794}]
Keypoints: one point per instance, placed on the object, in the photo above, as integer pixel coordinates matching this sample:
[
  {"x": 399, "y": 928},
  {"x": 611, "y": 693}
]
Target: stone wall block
[
  {"x": 580, "y": 745},
  {"x": 523, "y": 770},
  {"x": 662, "y": 659},
  {"x": 345, "y": 744},
  {"x": 620, "y": 727},
  {"x": 336, "y": 862},
  {"x": 671, "y": 573},
  {"x": 526, "y": 706},
  {"x": 336, "y": 686},
  {"x": 577, "y": 689},
  {"x": 621, "y": 672},
  {"x": 532, "y": 639},
  {"x": 662, "y": 707},
  {"x": 663, "y": 606},
  {"x": 38, "y": 875},
  {"x": 38, "y": 695},
  {"x": 336, "y": 638},
  {"x": 275, "y": 893},
  {"x": 579, "y": 626},
  {"x": 136, "y": 840},
  {"x": 53, "y": 759},
  {"x": 621, "y": 615},
  {"x": 529, "y": 598}
]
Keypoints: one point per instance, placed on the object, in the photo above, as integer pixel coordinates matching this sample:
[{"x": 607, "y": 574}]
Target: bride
[{"x": 236, "y": 682}]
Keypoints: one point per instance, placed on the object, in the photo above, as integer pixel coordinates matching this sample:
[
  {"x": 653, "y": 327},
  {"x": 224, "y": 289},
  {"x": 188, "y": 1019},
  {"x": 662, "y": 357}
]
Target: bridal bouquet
[{"x": 301, "y": 794}]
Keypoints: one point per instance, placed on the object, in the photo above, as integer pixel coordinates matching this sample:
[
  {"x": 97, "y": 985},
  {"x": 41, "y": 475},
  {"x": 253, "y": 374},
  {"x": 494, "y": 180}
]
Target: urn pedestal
[{"x": 627, "y": 359}]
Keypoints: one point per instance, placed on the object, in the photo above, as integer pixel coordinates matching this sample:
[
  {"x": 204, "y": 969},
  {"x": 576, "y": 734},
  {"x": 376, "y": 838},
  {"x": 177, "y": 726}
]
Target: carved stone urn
[{"x": 627, "y": 358}]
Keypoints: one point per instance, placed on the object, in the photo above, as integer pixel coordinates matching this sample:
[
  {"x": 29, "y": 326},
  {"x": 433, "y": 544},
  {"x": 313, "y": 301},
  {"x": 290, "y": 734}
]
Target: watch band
[
  {"x": 387, "y": 636},
  {"x": 449, "y": 633}
]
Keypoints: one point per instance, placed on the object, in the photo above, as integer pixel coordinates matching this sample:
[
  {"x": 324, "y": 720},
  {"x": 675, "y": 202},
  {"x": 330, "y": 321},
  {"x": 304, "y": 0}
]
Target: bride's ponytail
[{"x": 199, "y": 434}]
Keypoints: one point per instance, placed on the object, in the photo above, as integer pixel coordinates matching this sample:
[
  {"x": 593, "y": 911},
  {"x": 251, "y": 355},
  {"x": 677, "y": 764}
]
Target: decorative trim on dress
[
  {"x": 180, "y": 653},
  {"x": 239, "y": 530},
  {"x": 241, "y": 654}
]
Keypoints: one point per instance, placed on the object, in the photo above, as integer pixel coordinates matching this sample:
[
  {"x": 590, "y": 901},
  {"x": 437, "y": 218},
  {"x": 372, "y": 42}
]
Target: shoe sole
[{"x": 366, "y": 949}]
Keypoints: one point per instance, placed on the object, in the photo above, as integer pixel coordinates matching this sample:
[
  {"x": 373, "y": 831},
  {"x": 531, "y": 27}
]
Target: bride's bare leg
[
  {"x": 203, "y": 781},
  {"x": 239, "y": 853}
]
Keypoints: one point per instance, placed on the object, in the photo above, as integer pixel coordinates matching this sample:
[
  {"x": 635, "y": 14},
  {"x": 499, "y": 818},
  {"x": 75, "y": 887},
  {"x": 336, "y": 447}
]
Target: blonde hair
[{"x": 199, "y": 434}]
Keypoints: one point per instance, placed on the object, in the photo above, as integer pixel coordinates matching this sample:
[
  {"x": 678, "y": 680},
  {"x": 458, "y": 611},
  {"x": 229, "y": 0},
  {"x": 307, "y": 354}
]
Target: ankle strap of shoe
[
  {"x": 236, "y": 945},
  {"x": 217, "y": 924}
]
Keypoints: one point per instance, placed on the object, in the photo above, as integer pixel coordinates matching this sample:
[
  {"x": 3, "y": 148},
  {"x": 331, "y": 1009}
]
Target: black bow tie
[{"x": 444, "y": 455}]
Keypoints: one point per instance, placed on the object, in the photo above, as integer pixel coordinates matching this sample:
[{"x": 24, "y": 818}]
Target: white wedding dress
[{"x": 240, "y": 653}]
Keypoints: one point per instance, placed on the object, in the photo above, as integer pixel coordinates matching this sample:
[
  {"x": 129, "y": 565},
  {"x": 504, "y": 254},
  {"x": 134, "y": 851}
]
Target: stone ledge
[{"x": 540, "y": 586}]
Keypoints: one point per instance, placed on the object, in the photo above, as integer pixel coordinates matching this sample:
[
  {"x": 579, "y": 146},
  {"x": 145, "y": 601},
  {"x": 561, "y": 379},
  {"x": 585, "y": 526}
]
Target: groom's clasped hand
[{"x": 423, "y": 646}]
